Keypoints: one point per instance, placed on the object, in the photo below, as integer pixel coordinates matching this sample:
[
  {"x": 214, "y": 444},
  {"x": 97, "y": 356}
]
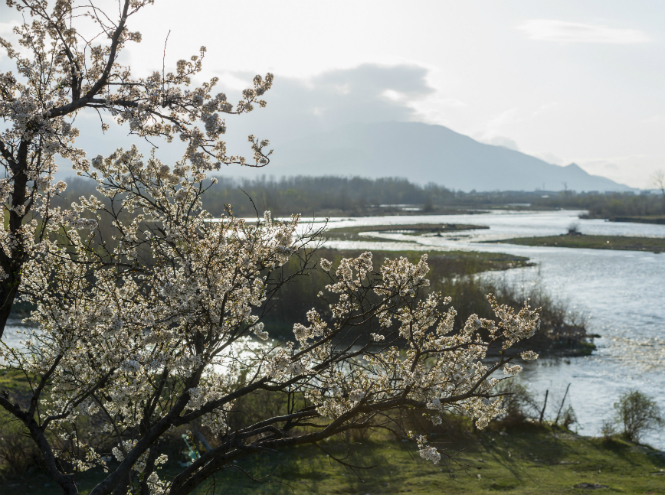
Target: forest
[{"x": 358, "y": 196}]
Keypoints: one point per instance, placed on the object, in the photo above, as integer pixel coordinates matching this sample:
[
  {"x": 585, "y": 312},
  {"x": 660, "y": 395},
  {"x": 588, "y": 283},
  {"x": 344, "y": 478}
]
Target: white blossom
[
  {"x": 156, "y": 327},
  {"x": 325, "y": 264},
  {"x": 529, "y": 356}
]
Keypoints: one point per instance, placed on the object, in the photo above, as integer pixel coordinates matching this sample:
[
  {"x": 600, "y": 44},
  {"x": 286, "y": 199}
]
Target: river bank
[
  {"x": 655, "y": 219},
  {"x": 652, "y": 244}
]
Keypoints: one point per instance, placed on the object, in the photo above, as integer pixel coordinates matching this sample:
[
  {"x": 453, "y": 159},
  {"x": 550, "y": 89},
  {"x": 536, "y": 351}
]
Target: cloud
[
  {"x": 451, "y": 103},
  {"x": 506, "y": 117},
  {"x": 633, "y": 170},
  {"x": 547, "y": 107},
  {"x": 7, "y": 32},
  {"x": 550, "y": 158},
  {"x": 7, "y": 28},
  {"x": 574, "y": 32},
  {"x": 298, "y": 107},
  {"x": 502, "y": 141}
]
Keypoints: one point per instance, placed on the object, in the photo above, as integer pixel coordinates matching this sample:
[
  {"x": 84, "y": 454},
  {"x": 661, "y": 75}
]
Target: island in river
[{"x": 652, "y": 244}]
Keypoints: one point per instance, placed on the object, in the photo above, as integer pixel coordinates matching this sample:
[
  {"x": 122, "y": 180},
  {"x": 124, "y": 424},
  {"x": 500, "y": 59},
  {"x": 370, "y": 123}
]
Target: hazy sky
[{"x": 568, "y": 81}]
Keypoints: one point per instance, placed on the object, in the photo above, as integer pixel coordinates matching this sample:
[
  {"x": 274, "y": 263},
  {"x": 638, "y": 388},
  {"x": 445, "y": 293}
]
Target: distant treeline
[
  {"x": 360, "y": 196},
  {"x": 317, "y": 195},
  {"x": 613, "y": 206}
]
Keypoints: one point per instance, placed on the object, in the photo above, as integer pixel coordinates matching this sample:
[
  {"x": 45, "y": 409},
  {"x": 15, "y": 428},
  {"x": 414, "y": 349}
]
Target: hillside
[{"x": 428, "y": 153}]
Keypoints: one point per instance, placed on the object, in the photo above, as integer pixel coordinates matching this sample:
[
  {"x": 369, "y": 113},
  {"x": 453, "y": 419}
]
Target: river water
[{"x": 621, "y": 295}]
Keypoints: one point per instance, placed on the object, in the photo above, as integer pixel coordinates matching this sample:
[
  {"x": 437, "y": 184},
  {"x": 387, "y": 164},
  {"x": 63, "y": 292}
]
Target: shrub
[
  {"x": 608, "y": 429},
  {"x": 637, "y": 413},
  {"x": 518, "y": 402},
  {"x": 568, "y": 417},
  {"x": 18, "y": 452}
]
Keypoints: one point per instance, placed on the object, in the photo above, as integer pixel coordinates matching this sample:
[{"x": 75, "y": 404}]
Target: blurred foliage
[{"x": 452, "y": 273}]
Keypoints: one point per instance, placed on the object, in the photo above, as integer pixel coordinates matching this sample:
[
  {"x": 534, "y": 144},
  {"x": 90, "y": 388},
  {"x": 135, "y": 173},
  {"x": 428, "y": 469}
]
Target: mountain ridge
[{"x": 426, "y": 153}]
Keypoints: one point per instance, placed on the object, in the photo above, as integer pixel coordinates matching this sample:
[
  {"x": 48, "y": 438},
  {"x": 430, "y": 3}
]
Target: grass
[
  {"x": 525, "y": 462},
  {"x": 516, "y": 463},
  {"x": 15, "y": 383},
  {"x": 654, "y": 244}
]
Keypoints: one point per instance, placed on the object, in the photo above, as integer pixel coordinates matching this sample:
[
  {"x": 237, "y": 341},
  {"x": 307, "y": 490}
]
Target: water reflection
[{"x": 620, "y": 293}]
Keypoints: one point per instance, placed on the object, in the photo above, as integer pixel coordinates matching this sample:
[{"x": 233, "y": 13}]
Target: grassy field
[
  {"x": 542, "y": 462},
  {"x": 654, "y": 244}
]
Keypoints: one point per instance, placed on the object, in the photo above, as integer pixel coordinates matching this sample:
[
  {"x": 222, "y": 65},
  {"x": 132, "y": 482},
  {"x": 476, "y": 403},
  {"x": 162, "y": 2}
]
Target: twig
[{"x": 250, "y": 198}]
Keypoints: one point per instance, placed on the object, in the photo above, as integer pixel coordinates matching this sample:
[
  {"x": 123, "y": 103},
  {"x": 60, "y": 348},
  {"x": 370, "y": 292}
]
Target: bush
[
  {"x": 568, "y": 417},
  {"x": 637, "y": 413},
  {"x": 18, "y": 453},
  {"x": 518, "y": 402},
  {"x": 608, "y": 429}
]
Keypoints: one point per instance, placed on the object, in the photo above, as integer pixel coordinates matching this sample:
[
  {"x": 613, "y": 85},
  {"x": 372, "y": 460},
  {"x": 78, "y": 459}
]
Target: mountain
[{"x": 428, "y": 153}]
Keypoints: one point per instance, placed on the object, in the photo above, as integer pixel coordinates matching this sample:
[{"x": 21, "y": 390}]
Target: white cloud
[
  {"x": 298, "y": 107},
  {"x": 230, "y": 81},
  {"x": 547, "y": 107},
  {"x": 575, "y": 32},
  {"x": 8, "y": 27},
  {"x": 506, "y": 117},
  {"x": 633, "y": 170},
  {"x": 7, "y": 32},
  {"x": 502, "y": 141},
  {"x": 550, "y": 158},
  {"x": 451, "y": 103},
  {"x": 393, "y": 95}
]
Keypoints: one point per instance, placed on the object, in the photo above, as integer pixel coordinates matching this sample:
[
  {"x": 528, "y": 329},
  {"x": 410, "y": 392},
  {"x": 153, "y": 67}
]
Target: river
[{"x": 621, "y": 294}]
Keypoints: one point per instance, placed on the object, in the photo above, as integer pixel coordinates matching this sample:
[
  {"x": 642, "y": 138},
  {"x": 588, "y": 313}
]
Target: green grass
[
  {"x": 15, "y": 383},
  {"x": 518, "y": 463},
  {"x": 526, "y": 462},
  {"x": 654, "y": 244},
  {"x": 531, "y": 460}
]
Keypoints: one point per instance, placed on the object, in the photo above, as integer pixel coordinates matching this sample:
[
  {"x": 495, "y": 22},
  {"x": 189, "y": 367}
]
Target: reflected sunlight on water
[{"x": 620, "y": 293}]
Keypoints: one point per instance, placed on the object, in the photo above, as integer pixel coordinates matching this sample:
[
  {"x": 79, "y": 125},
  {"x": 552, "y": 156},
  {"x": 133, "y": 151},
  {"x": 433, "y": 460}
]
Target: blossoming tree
[{"x": 154, "y": 329}]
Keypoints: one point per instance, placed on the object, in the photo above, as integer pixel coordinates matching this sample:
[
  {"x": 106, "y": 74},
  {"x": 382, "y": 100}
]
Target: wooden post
[
  {"x": 556, "y": 422},
  {"x": 542, "y": 413}
]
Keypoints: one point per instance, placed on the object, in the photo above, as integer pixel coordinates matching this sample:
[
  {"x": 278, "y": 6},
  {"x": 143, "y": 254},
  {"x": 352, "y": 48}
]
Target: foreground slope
[{"x": 519, "y": 463}]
